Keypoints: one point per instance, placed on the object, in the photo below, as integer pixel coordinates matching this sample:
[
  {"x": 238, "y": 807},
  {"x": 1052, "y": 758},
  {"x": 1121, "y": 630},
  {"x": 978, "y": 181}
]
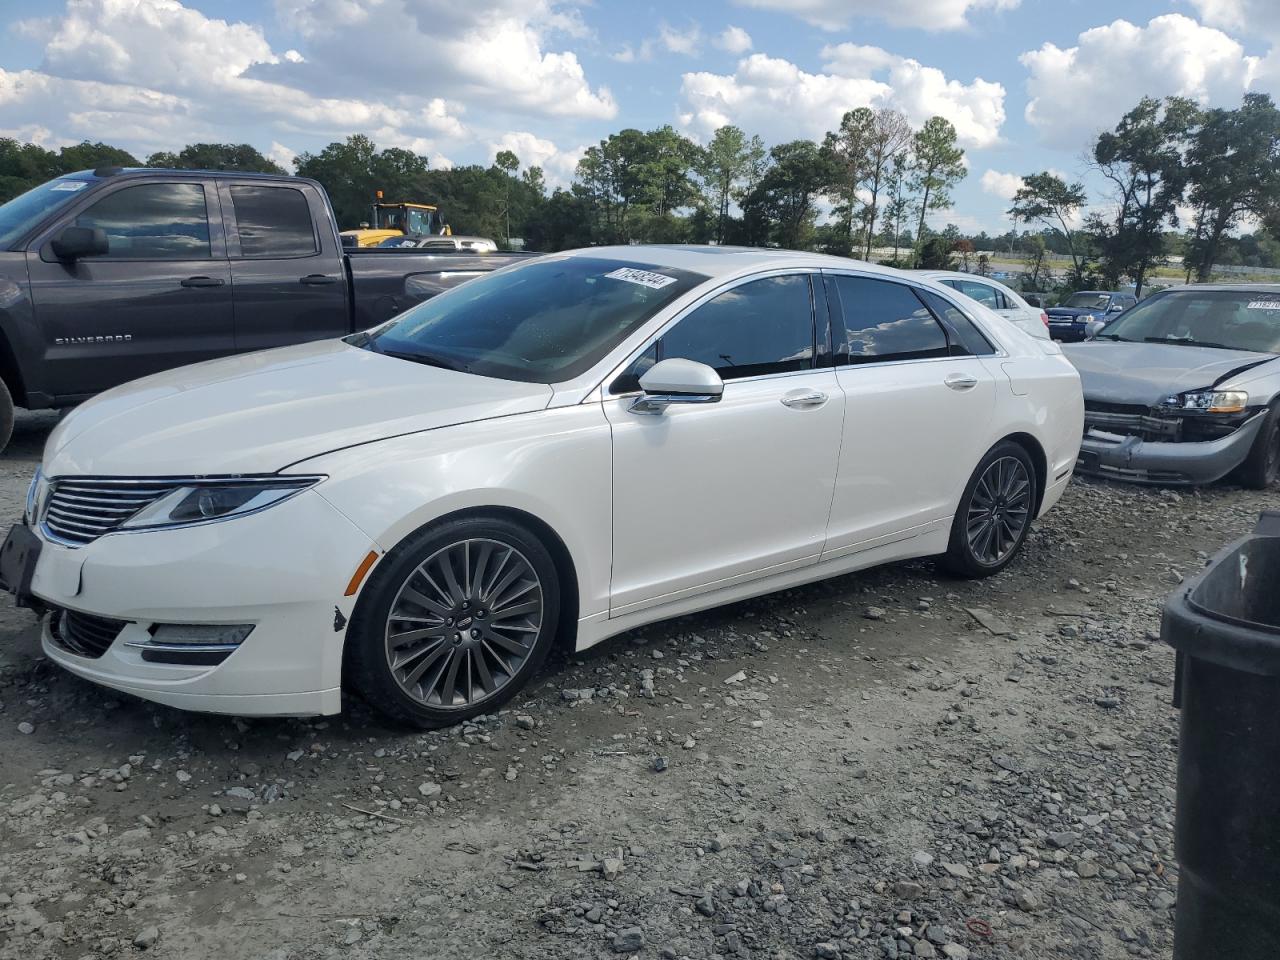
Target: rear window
[
  {"x": 886, "y": 321},
  {"x": 273, "y": 222}
]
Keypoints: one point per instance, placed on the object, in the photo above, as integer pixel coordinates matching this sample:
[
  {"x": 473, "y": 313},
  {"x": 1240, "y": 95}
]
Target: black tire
[
  {"x": 6, "y": 415},
  {"x": 483, "y": 648},
  {"x": 963, "y": 558},
  {"x": 1262, "y": 467}
]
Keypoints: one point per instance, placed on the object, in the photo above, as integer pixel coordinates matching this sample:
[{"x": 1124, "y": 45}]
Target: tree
[
  {"x": 353, "y": 169},
  {"x": 1035, "y": 261},
  {"x": 90, "y": 156},
  {"x": 1143, "y": 159},
  {"x": 506, "y": 163},
  {"x": 1047, "y": 199},
  {"x": 936, "y": 254},
  {"x": 725, "y": 167},
  {"x": 938, "y": 165},
  {"x": 635, "y": 182},
  {"x": 216, "y": 156},
  {"x": 786, "y": 194},
  {"x": 965, "y": 248},
  {"x": 890, "y": 137},
  {"x": 1233, "y": 165},
  {"x": 898, "y": 207},
  {"x": 847, "y": 155}
]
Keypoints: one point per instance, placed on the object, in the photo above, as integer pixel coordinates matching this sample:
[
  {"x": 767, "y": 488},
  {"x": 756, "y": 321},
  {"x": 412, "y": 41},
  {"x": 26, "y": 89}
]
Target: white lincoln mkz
[{"x": 557, "y": 451}]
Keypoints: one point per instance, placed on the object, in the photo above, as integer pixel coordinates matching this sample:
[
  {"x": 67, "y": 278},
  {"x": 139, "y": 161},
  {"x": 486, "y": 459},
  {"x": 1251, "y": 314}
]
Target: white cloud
[
  {"x": 684, "y": 41},
  {"x": 282, "y": 155},
  {"x": 1074, "y": 93},
  {"x": 925, "y": 14},
  {"x": 1259, "y": 16},
  {"x": 734, "y": 40},
  {"x": 557, "y": 165},
  {"x": 1000, "y": 184},
  {"x": 770, "y": 94}
]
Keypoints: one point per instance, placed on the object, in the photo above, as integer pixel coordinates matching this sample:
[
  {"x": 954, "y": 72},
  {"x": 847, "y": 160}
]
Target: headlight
[
  {"x": 36, "y": 494},
  {"x": 1211, "y": 401},
  {"x": 217, "y": 500}
]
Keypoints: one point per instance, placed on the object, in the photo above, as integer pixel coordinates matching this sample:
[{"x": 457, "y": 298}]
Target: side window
[
  {"x": 986, "y": 295},
  {"x": 629, "y": 382},
  {"x": 764, "y": 326},
  {"x": 153, "y": 221},
  {"x": 967, "y": 339},
  {"x": 885, "y": 321},
  {"x": 273, "y": 222}
]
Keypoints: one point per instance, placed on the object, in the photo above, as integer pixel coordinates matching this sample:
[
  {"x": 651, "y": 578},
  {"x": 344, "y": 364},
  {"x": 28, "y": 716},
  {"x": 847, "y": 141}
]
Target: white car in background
[
  {"x": 554, "y": 452},
  {"x": 995, "y": 296}
]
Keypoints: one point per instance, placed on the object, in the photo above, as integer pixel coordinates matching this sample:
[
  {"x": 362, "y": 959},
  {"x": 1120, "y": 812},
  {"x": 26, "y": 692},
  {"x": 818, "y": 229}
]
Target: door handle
[
  {"x": 201, "y": 282},
  {"x": 317, "y": 280},
  {"x": 961, "y": 381},
  {"x": 804, "y": 399}
]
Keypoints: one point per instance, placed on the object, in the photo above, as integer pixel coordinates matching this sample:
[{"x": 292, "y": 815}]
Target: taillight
[{"x": 1044, "y": 318}]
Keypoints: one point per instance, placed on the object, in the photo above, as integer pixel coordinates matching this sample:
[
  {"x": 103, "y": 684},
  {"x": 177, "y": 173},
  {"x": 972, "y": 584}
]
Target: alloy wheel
[
  {"x": 463, "y": 623},
  {"x": 999, "y": 510}
]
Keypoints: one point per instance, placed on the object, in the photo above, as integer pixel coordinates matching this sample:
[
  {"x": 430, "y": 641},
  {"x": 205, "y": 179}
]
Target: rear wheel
[
  {"x": 454, "y": 622},
  {"x": 6, "y": 415},
  {"x": 1262, "y": 467},
  {"x": 995, "y": 513}
]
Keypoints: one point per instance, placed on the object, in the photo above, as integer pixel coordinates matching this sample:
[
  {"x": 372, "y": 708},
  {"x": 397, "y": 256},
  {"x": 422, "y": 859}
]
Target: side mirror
[
  {"x": 1116, "y": 308},
  {"x": 76, "y": 242},
  {"x": 677, "y": 381}
]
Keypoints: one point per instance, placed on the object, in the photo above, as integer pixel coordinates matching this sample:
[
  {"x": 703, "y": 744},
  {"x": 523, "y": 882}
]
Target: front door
[
  {"x": 708, "y": 495},
  {"x": 159, "y": 298},
  {"x": 918, "y": 409}
]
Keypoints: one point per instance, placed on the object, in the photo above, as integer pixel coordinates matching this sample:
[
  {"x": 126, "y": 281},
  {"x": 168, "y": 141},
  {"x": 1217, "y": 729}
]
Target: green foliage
[
  {"x": 240, "y": 157},
  {"x": 786, "y": 195},
  {"x": 728, "y": 168},
  {"x": 27, "y": 165},
  {"x": 937, "y": 166},
  {"x": 1047, "y": 199}
]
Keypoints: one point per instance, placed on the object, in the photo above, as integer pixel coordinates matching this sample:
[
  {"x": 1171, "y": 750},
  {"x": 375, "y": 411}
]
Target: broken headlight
[{"x": 1210, "y": 401}]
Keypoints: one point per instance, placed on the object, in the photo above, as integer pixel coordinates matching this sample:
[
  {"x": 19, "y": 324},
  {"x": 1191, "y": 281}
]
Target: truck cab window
[
  {"x": 153, "y": 221},
  {"x": 273, "y": 222}
]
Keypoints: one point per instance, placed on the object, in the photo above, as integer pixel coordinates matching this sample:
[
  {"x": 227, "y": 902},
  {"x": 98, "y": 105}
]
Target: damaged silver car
[{"x": 1184, "y": 388}]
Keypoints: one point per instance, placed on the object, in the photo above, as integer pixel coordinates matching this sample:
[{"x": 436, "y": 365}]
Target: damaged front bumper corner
[{"x": 1120, "y": 457}]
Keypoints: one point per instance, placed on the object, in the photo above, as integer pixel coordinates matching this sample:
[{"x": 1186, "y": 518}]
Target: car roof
[
  {"x": 1230, "y": 287},
  {"x": 721, "y": 261},
  {"x": 958, "y": 274}
]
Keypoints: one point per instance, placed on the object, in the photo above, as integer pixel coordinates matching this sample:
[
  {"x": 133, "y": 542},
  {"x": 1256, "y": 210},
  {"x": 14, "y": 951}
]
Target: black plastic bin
[{"x": 1225, "y": 625}]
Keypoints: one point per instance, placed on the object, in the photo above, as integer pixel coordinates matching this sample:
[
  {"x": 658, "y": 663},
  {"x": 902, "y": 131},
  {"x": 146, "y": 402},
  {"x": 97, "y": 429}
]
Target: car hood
[
  {"x": 1147, "y": 373},
  {"x": 1071, "y": 313},
  {"x": 260, "y": 412}
]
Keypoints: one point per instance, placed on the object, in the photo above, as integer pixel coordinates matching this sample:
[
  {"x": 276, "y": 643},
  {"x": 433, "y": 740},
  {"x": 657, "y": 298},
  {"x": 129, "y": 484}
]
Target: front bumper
[
  {"x": 284, "y": 570},
  {"x": 1070, "y": 331},
  {"x": 1144, "y": 461}
]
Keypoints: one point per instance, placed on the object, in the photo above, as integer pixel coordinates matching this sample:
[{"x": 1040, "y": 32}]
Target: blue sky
[{"x": 1028, "y": 83}]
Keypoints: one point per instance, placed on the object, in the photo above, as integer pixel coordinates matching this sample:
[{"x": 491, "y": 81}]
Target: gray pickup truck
[{"x": 112, "y": 274}]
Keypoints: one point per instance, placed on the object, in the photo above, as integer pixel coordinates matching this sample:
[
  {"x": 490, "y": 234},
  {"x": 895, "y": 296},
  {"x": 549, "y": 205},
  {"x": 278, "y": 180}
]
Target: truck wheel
[
  {"x": 994, "y": 515},
  {"x": 6, "y": 415},
  {"x": 453, "y": 622},
  {"x": 1262, "y": 467}
]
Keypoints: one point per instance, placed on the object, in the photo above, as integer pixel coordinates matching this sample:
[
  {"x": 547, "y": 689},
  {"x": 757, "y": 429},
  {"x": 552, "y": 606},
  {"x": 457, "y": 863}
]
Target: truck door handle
[
  {"x": 804, "y": 399},
  {"x": 961, "y": 381},
  {"x": 201, "y": 282},
  {"x": 317, "y": 280}
]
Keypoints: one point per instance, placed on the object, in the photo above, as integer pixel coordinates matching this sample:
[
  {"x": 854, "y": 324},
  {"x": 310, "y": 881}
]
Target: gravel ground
[{"x": 891, "y": 764}]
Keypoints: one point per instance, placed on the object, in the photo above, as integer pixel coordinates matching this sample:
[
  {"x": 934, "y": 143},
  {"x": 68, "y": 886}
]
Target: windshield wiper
[
  {"x": 1187, "y": 342},
  {"x": 1112, "y": 336},
  {"x": 425, "y": 359}
]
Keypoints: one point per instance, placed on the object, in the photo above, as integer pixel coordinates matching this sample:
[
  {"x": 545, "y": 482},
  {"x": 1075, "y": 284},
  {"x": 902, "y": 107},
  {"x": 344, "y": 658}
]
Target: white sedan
[
  {"x": 552, "y": 453},
  {"x": 995, "y": 296}
]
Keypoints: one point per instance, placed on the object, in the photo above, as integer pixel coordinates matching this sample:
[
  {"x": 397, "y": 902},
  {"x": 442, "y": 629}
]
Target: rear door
[
  {"x": 159, "y": 298},
  {"x": 918, "y": 408},
  {"x": 290, "y": 285}
]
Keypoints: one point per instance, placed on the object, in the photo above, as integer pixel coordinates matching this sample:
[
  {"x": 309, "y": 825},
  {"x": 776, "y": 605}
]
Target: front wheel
[
  {"x": 454, "y": 622},
  {"x": 1262, "y": 467},
  {"x": 995, "y": 513}
]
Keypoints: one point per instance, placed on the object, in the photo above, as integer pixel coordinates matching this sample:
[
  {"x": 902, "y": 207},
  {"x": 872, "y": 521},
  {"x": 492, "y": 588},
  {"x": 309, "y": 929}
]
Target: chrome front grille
[
  {"x": 84, "y": 634},
  {"x": 78, "y": 510}
]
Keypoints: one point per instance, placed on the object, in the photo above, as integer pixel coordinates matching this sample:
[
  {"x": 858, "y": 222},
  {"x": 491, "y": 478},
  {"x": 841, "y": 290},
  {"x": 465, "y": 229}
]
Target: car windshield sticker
[
  {"x": 1264, "y": 304},
  {"x": 71, "y": 186},
  {"x": 643, "y": 277}
]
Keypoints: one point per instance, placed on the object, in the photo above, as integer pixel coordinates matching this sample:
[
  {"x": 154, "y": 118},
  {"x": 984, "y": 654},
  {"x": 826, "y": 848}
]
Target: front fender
[
  {"x": 555, "y": 465},
  {"x": 21, "y": 341}
]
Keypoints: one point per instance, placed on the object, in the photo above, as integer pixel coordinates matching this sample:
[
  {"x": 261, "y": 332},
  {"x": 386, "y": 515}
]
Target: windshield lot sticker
[
  {"x": 70, "y": 186},
  {"x": 1264, "y": 305},
  {"x": 643, "y": 277}
]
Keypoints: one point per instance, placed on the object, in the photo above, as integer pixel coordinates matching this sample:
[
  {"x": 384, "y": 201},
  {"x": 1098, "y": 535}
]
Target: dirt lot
[{"x": 889, "y": 764}]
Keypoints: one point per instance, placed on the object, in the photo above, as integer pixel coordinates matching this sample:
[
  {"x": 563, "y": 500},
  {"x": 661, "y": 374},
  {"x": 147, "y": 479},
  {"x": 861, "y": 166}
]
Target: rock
[
  {"x": 26, "y": 728},
  {"x": 718, "y": 843},
  {"x": 989, "y": 620},
  {"x": 146, "y": 938},
  {"x": 611, "y": 867},
  {"x": 628, "y": 940},
  {"x": 182, "y": 776},
  {"x": 1063, "y": 839},
  {"x": 660, "y": 764},
  {"x": 1028, "y": 900},
  {"x": 922, "y": 858},
  {"x": 736, "y": 678},
  {"x": 429, "y": 789},
  {"x": 874, "y": 613},
  {"x": 953, "y": 951},
  {"x": 958, "y": 870},
  {"x": 826, "y": 951},
  {"x": 907, "y": 889},
  {"x": 925, "y": 949},
  {"x": 525, "y": 722},
  {"x": 1087, "y": 869},
  {"x": 706, "y": 906}
]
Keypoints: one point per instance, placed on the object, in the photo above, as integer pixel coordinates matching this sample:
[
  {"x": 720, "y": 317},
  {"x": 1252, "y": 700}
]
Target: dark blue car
[{"x": 1069, "y": 321}]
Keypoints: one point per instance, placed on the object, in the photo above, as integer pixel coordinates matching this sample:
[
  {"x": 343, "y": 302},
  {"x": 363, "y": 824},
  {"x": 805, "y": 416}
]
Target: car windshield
[
  {"x": 542, "y": 322},
  {"x": 26, "y": 210},
  {"x": 1229, "y": 319},
  {"x": 1087, "y": 301}
]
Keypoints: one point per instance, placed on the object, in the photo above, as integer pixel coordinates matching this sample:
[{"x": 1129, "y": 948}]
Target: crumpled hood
[
  {"x": 1147, "y": 373},
  {"x": 259, "y": 412}
]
